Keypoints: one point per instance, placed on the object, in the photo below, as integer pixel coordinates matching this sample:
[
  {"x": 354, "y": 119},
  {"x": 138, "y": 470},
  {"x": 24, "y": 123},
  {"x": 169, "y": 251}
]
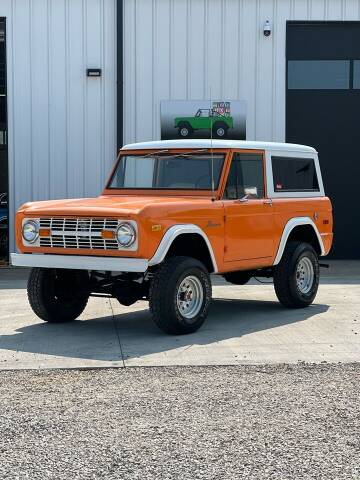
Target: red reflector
[{"x": 326, "y": 222}]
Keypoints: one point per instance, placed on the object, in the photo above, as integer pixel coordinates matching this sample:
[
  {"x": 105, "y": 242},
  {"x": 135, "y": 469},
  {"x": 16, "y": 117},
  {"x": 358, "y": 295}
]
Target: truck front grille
[{"x": 78, "y": 233}]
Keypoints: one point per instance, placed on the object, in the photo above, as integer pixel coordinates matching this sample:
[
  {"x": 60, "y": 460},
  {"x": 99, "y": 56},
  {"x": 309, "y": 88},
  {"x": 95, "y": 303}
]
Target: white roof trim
[{"x": 207, "y": 143}]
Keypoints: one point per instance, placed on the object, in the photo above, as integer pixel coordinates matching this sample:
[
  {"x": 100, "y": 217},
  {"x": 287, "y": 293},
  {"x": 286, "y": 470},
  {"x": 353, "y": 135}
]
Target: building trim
[{"x": 120, "y": 73}]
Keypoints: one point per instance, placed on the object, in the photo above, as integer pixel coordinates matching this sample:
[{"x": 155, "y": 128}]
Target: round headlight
[
  {"x": 30, "y": 231},
  {"x": 125, "y": 234}
]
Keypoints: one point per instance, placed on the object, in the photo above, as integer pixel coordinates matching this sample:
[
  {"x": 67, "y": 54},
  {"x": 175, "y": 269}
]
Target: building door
[
  {"x": 322, "y": 110},
  {"x": 4, "y": 182}
]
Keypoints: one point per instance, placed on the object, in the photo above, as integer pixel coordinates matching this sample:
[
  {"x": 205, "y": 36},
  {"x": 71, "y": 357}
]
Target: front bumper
[{"x": 75, "y": 262}]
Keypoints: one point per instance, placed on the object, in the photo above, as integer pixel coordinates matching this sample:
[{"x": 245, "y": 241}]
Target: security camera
[{"x": 267, "y": 28}]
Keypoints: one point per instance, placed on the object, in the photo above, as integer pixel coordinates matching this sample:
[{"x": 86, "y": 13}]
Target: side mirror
[{"x": 251, "y": 191}]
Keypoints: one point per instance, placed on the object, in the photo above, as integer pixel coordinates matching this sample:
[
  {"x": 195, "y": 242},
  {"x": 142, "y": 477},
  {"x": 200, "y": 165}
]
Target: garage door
[{"x": 323, "y": 110}]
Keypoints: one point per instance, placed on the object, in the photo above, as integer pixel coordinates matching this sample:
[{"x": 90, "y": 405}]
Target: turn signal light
[
  {"x": 44, "y": 232},
  {"x": 109, "y": 234}
]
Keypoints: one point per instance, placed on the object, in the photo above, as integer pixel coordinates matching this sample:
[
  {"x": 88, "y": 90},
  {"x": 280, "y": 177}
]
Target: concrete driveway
[{"x": 246, "y": 325}]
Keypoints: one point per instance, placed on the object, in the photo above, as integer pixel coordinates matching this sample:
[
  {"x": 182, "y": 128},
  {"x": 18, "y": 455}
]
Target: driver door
[{"x": 249, "y": 223}]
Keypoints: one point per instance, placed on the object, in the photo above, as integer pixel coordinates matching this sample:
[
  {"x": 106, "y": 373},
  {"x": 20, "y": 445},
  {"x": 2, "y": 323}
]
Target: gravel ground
[{"x": 275, "y": 422}]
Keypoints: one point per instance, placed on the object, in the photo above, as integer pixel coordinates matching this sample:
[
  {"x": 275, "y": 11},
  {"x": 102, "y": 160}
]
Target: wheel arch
[
  {"x": 300, "y": 228},
  {"x": 184, "y": 123},
  {"x": 220, "y": 123},
  {"x": 179, "y": 238}
]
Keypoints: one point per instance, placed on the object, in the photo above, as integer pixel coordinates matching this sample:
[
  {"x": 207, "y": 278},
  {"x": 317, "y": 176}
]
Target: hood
[{"x": 106, "y": 205}]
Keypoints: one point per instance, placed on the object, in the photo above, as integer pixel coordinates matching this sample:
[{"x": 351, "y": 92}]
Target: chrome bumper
[{"x": 111, "y": 264}]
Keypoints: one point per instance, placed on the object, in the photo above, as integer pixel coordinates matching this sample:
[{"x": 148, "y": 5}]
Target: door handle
[{"x": 268, "y": 201}]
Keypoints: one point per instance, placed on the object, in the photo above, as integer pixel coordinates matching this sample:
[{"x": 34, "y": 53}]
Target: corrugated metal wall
[
  {"x": 178, "y": 49},
  {"x": 62, "y": 125}
]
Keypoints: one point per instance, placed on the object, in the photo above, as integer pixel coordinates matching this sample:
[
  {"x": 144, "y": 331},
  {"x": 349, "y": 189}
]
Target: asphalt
[{"x": 246, "y": 325}]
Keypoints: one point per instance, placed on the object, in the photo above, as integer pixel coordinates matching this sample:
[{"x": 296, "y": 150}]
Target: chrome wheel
[
  {"x": 184, "y": 132},
  {"x": 190, "y": 296},
  {"x": 305, "y": 275},
  {"x": 220, "y": 132}
]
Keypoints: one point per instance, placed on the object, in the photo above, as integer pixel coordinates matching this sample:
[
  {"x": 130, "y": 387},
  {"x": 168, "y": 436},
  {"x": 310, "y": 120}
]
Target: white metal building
[{"x": 63, "y": 127}]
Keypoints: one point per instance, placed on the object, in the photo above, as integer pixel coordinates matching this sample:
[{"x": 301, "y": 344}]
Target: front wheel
[
  {"x": 180, "y": 295},
  {"x": 296, "y": 277},
  {"x": 185, "y": 130},
  {"x": 57, "y": 295}
]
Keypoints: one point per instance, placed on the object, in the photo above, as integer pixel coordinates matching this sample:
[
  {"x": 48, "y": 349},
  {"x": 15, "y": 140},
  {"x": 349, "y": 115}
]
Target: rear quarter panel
[{"x": 318, "y": 209}]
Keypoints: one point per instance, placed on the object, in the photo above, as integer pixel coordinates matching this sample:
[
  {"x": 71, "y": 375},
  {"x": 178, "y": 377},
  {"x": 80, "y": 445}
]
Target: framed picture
[{"x": 203, "y": 119}]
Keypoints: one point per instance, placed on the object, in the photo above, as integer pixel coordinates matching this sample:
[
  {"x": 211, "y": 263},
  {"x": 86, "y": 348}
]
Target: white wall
[
  {"x": 62, "y": 125},
  {"x": 178, "y": 49}
]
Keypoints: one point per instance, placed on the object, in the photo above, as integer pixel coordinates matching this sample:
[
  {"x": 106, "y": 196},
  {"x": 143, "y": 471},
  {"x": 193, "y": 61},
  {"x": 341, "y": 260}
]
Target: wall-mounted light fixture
[
  {"x": 267, "y": 28},
  {"x": 93, "y": 72}
]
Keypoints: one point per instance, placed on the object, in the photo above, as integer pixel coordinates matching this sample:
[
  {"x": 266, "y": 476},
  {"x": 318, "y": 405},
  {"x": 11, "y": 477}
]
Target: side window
[
  {"x": 294, "y": 174},
  {"x": 246, "y": 177}
]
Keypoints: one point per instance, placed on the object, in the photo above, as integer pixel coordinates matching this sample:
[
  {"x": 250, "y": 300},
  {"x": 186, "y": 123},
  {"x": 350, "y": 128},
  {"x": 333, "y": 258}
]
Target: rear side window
[{"x": 294, "y": 174}]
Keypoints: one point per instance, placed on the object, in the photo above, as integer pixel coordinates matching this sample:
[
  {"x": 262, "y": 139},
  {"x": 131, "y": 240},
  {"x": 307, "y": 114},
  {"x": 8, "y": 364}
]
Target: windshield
[{"x": 174, "y": 172}]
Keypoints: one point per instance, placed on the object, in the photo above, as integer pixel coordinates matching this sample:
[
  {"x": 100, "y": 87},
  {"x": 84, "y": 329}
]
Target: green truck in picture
[{"x": 204, "y": 119}]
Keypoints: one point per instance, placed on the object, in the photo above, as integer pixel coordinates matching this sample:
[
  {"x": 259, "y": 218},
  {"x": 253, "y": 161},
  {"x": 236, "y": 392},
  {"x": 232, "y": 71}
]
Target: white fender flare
[
  {"x": 289, "y": 227},
  {"x": 170, "y": 236}
]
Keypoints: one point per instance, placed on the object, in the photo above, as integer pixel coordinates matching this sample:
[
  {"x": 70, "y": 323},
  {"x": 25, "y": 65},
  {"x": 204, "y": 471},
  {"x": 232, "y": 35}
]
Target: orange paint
[{"x": 243, "y": 236}]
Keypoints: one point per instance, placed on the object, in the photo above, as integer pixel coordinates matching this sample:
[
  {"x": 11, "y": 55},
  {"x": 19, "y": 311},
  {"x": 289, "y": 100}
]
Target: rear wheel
[
  {"x": 180, "y": 295},
  {"x": 57, "y": 295},
  {"x": 220, "y": 130},
  {"x": 296, "y": 278}
]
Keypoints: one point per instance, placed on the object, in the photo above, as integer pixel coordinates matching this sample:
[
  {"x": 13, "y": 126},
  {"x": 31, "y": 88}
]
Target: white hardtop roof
[{"x": 208, "y": 143}]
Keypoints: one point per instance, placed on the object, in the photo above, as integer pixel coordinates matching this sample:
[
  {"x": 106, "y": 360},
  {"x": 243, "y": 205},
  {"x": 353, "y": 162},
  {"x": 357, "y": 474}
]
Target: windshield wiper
[
  {"x": 190, "y": 153},
  {"x": 178, "y": 155},
  {"x": 154, "y": 153}
]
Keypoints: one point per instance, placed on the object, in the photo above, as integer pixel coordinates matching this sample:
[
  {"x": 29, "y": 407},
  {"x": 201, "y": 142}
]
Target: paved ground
[
  {"x": 227, "y": 423},
  {"x": 246, "y": 326}
]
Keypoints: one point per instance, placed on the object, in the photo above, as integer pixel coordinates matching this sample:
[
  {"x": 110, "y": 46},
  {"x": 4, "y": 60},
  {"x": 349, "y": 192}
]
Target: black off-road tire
[
  {"x": 238, "y": 278},
  {"x": 216, "y": 129},
  {"x": 285, "y": 276},
  {"x": 57, "y": 295},
  {"x": 189, "y": 129},
  {"x": 163, "y": 295}
]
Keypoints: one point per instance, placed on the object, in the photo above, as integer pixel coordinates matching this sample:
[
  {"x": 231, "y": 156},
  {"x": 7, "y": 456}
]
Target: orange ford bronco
[{"x": 171, "y": 214}]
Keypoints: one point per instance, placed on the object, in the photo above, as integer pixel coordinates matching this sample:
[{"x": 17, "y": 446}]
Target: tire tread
[
  {"x": 283, "y": 274},
  {"x": 160, "y": 283}
]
